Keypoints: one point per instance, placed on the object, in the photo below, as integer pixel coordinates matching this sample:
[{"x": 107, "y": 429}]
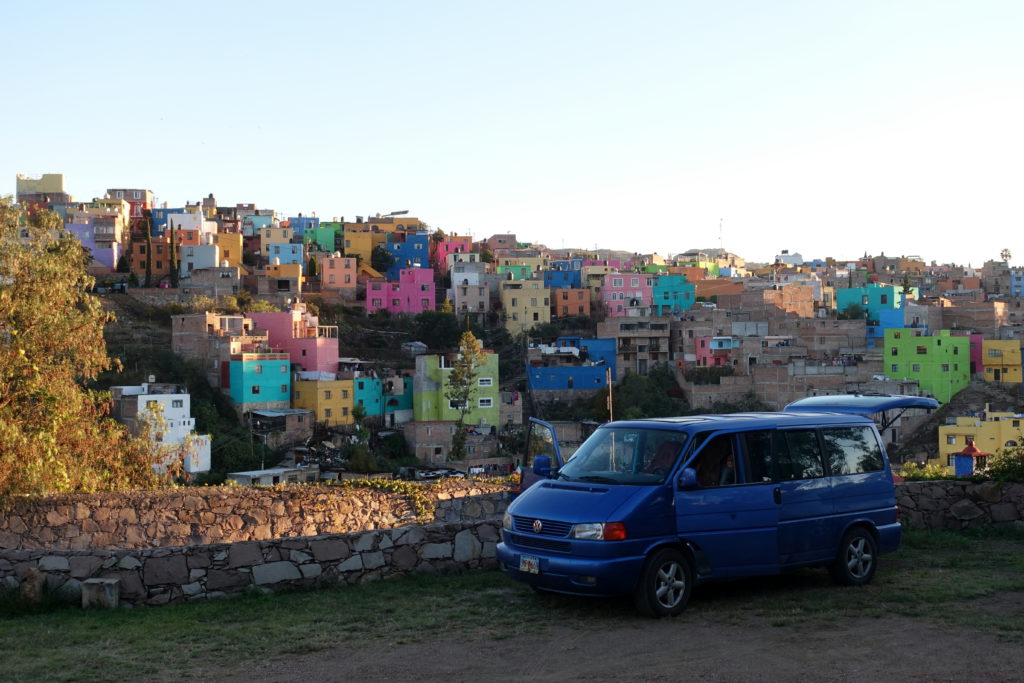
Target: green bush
[
  {"x": 1007, "y": 465},
  {"x": 911, "y": 471}
]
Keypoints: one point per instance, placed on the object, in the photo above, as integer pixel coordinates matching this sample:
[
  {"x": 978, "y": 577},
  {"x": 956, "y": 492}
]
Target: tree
[
  {"x": 381, "y": 259},
  {"x": 852, "y": 312},
  {"x": 149, "y": 259},
  {"x": 55, "y": 435},
  {"x": 122, "y": 264},
  {"x": 174, "y": 258},
  {"x": 1005, "y": 255},
  {"x": 461, "y": 388},
  {"x": 487, "y": 256},
  {"x": 311, "y": 267}
]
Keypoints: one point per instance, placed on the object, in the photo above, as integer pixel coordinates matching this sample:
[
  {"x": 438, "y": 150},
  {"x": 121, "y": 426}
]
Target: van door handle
[{"x": 777, "y": 493}]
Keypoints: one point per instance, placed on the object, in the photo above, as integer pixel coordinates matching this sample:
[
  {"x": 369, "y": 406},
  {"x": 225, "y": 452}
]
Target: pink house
[
  {"x": 627, "y": 294},
  {"x": 454, "y": 244},
  {"x": 311, "y": 346},
  {"x": 413, "y": 293}
]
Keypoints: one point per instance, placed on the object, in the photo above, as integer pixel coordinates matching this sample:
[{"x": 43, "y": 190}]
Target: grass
[{"x": 942, "y": 577}]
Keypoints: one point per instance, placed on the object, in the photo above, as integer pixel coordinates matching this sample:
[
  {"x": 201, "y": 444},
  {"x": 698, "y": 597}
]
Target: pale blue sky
[{"x": 828, "y": 128}]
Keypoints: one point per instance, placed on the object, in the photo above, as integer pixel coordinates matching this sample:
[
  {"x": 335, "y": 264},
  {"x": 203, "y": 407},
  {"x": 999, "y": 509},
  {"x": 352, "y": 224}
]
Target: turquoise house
[
  {"x": 672, "y": 294},
  {"x": 258, "y": 380}
]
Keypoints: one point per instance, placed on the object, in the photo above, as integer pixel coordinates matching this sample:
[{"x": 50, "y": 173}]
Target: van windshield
[{"x": 616, "y": 455}]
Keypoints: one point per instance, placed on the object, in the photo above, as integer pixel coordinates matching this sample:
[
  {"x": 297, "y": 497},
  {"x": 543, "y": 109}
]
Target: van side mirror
[
  {"x": 688, "y": 479},
  {"x": 542, "y": 466}
]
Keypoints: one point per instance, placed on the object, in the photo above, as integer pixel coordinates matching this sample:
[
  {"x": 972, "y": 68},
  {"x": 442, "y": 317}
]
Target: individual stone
[
  {"x": 129, "y": 562},
  {"x": 226, "y": 579},
  {"x": 275, "y": 572},
  {"x": 354, "y": 563},
  {"x": 70, "y": 591},
  {"x": 989, "y": 492},
  {"x": 160, "y": 570},
  {"x": 329, "y": 549},
  {"x": 1004, "y": 512},
  {"x": 373, "y": 560},
  {"x": 54, "y": 563},
  {"x": 467, "y": 547},
  {"x": 311, "y": 570},
  {"x": 299, "y": 557},
  {"x": 83, "y": 566},
  {"x": 404, "y": 558},
  {"x": 245, "y": 555},
  {"x": 965, "y": 510},
  {"x": 433, "y": 551},
  {"x": 192, "y": 589}
]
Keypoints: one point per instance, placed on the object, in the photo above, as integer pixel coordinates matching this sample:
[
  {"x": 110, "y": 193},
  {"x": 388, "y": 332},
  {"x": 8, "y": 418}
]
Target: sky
[{"x": 822, "y": 127}]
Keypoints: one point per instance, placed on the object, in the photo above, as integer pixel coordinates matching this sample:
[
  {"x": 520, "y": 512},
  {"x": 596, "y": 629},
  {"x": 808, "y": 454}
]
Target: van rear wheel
[
  {"x": 857, "y": 560},
  {"x": 665, "y": 584}
]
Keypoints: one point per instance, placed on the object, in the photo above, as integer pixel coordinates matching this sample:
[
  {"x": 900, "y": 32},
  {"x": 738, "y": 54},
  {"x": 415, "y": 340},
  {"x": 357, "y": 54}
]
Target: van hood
[{"x": 574, "y": 502}]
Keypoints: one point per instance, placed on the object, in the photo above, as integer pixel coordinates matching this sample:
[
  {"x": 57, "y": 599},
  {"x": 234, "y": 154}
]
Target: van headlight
[
  {"x": 598, "y": 531},
  {"x": 506, "y": 522}
]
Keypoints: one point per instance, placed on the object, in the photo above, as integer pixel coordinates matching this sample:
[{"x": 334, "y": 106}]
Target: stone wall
[
  {"x": 231, "y": 514},
  {"x": 160, "y": 576},
  {"x": 959, "y": 504}
]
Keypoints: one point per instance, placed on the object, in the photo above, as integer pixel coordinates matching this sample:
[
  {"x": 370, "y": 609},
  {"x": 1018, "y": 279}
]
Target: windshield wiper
[
  {"x": 598, "y": 479},
  {"x": 564, "y": 476}
]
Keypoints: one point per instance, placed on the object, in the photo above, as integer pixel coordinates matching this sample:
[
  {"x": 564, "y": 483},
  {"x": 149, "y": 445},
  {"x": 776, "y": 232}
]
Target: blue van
[{"x": 649, "y": 507}]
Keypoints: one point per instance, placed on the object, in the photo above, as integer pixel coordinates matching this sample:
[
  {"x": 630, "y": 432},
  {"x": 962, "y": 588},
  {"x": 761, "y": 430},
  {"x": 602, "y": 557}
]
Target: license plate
[{"x": 529, "y": 564}]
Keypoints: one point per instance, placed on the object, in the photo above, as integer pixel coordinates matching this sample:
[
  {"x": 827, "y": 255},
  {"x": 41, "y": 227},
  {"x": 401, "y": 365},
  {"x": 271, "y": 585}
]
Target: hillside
[{"x": 970, "y": 400}]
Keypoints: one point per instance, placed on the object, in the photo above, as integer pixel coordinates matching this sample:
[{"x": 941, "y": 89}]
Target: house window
[
  {"x": 360, "y": 386},
  {"x": 298, "y": 394},
  {"x": 455, "y": 404},
  {"x": 327, "y": 395},
  {"x": 284, "y": 388},
  {"x": 344, "y": 393},
  {"x": 327, "y": 412},
  {"x": 258, "y": 369},
  {"x": 485, "y": 382},
  {"x": 616, "y": 282},
  {"x": 344, "y": 412},
  {"x": 484, "y": 402},
  {"x": 922, "y": 350},
  {"x": 178, "y": 403},
  {"x": 885, "y": 298},
  {"x": 256, "y": 389},
  {"x": 915, "y": 367},
  {"x": 895, "y": 368},
  {"x": 951, "y": 440},
  {"x": 895, "y": 351},
  {"x": 945, "y": 367}
]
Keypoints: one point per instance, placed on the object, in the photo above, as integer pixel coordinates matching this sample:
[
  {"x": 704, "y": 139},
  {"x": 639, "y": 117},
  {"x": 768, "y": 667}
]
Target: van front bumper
[{"x": 596, "y": 576}]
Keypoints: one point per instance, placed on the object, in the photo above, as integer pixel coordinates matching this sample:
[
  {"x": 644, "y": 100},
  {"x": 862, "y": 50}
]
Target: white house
[{"x": 132, "y": 404}]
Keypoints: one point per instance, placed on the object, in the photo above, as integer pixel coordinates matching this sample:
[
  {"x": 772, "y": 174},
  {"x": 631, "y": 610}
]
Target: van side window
[
  {"x": 758, "y": 460},
  {"x": 852, "y": 450},
  {"x": 716, "y": 464},
  {"x": 797, "y": 455}
]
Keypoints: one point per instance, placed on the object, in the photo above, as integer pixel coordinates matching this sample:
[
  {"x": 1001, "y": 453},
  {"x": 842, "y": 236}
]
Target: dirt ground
[{"x": 686, "y": 648}]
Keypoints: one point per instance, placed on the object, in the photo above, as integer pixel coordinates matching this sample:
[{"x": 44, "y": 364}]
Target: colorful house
[
  {"x": 525, "y": 303},
  {"x": 1001, "y": 359},
  {"x": 409, "y": 250},
  {"x": 310, "y": 345},
  {"x": 413, "y": 293},
  {"x": 331, "y": 400},
  {"x": 570, "y": 302},
  {"x": 433, "y": 372},
  {"x": 940, "y": 363},
  {"x": 172, "y": 404},
  {"x": 990, "y": 431},
  {"x": 627, "y": 294},
  {"x": 301, "y": 225},
  {"x": 715, "y": 351},
  {"x": 257, "y": 381},
  {"x": 672, "y": 294},
  {"x": 338, "y": 276},
  {"x": 514, "y": 271},
  {"x": 570, "y": 364}
]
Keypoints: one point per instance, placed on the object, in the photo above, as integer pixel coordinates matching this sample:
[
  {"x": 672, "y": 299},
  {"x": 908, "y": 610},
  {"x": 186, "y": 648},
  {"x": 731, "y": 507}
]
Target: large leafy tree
[
  {"x": 461, "y": 388},
  {"x": 55, "y": 434}
]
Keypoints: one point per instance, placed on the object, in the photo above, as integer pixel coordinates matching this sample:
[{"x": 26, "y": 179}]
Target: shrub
[
  {"x": 1007, "y": 465},
  {"x": 911, "y": 471}
]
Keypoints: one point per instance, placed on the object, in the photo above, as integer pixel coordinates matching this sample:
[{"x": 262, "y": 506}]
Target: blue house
[
  {"x": 672, "y": 294},
  {"x": 300, "y": 224},
  {"x": 565, "y": 274},
  {"x": 411, "y": 252},
  {"x": 571, "y": 363},
  {"x": 286, "y": 253},
  {"x": 369, "y": 393},
  {"x": 159, "y": 220}
]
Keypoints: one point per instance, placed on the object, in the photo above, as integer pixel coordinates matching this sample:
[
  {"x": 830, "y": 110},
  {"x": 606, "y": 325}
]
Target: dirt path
[{"x": 685, "y": 648}]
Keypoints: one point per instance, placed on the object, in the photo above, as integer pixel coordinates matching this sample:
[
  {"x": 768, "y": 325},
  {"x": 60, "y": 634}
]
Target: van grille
[
  {"x": 542, "y": 543},
  {"x": 549, "y": 527}
]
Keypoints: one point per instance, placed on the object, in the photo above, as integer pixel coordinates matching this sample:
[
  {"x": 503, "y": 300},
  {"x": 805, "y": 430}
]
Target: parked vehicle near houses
[{"x": 649, "y": 507}]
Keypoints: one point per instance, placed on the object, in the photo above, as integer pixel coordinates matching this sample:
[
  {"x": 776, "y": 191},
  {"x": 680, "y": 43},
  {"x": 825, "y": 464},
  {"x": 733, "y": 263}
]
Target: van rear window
[{"x": 852, "y": 450}]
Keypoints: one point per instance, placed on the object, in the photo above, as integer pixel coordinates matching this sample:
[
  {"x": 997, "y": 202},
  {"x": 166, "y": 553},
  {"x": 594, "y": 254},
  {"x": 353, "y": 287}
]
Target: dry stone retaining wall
[
  {"x": 160, "y": 576},
  {"x": 203, "y": 516},
  {"x": 959, "y": 504}
]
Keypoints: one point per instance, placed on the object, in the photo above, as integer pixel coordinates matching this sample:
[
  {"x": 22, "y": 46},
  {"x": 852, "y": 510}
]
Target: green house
[{"x": 941, "y": 363}]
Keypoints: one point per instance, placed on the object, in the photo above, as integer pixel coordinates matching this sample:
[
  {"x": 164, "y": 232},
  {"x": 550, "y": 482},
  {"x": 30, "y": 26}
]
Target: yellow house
[
  {"x": 525, "y": 303},
  {"x": 330, "y": 400},
  {"x": 360, "y": 243},
  {"x": 274, "y": 235},
  {"x": 991, "y": 432},
  {"x": 230, "y": 244},
  {"x": 1001, "y": 360}
]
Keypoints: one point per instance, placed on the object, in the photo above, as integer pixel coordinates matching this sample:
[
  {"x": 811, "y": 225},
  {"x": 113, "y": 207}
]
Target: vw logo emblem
[{"x": 537, "y": 526}]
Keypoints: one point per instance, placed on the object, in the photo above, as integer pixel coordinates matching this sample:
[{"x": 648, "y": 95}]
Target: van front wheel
[
  {"x": 857, "y": 560},
  {"x": 665, "y": 584}
]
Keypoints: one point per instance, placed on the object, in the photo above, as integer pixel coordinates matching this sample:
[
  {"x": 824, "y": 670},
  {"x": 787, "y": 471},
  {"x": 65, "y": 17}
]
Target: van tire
[
  {"x": 665, "y": 584},
  {"x": 857, "y": 559}
]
